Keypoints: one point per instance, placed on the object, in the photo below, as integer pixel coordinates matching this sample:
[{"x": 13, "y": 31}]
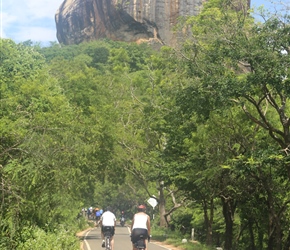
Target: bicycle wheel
[
  {"x": 108, "y": 243},
  {"x": 141, "y": 244}
]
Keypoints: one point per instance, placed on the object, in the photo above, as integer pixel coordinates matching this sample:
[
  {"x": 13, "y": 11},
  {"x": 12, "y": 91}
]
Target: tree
[
  {"x": 232, "y": 60},
  {"x": 246, "y": 63},
  {"x": 40, "y": 147}
]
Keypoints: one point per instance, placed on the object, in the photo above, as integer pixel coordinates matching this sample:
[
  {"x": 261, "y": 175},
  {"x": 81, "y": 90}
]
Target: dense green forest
[{"x": 203, "y": 128}]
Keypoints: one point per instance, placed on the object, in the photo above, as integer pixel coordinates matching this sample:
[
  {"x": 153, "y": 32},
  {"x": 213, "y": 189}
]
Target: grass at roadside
[{"x": 174, "y": 238}]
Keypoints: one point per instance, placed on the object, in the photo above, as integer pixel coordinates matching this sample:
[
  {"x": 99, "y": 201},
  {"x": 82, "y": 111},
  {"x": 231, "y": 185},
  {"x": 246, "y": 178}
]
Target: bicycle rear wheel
[
  {"x": 141, "y": 244},
  {"x": 108, "y": 243}
]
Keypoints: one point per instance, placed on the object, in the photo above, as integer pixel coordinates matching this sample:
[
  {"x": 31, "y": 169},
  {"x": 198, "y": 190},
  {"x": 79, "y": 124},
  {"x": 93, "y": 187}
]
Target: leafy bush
[{"x": 59, "y": 239}]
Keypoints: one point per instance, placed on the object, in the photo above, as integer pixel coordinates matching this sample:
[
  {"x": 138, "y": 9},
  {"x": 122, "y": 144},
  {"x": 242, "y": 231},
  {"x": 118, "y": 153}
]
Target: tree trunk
[
  {"x": 252, "y": 237},
  {"x": 208, "y": 218},
  {"x": 275, "y": 234},
  {"x": 210, "y": 240},
  {"x": 274, "y": 231},
  {"x": 162, "y": 204},
  {"x": 287, "y": 243},
  {"x": 228, "y": 212},
  {"x": 270, "y": 242}
]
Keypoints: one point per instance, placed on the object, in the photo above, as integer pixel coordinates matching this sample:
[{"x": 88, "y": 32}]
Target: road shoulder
[{"x": 165, "y": 245}]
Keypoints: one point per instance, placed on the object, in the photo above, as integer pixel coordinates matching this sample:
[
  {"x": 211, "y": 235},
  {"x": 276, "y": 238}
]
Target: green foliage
[
  {"x": 175, "y": 238},
  {"x": 39, "y": 168},
  {"x": 59, "y": 239},
  {"x": 17, "y": 61}
]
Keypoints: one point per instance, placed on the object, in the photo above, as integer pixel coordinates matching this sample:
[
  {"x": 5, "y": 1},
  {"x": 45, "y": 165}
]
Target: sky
[{"x": 23, "y": 20}]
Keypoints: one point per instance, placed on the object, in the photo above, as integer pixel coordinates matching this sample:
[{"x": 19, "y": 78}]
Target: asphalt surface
[{"x": 93, "y": 241}]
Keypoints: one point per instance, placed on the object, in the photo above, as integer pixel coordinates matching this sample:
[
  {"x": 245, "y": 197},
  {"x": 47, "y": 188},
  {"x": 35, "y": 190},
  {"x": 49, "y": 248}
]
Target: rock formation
[{"x": 124, "y": 20}]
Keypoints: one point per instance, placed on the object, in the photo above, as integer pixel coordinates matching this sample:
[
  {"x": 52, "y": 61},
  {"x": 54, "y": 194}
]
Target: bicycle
[
  {"x": 140, "y": 244},
  {"x": 122, "y": 221},
  {"x": 108, "y": 236}
]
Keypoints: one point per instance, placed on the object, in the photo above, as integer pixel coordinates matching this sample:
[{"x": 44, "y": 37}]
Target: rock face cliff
[
  {"x": 122, "y": 20},
  {"x": 126, "y": 20}
]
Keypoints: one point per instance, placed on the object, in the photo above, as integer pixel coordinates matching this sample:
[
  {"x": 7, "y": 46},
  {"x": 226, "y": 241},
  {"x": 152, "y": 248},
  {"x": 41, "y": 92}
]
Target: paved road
[{"x": 92, "y": 240}]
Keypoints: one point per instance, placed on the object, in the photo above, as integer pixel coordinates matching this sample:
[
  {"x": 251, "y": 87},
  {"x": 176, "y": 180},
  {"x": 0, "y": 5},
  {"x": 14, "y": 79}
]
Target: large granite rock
[
  {"x": 122, "y": 20},
  {"x": 126, "y": 20}
]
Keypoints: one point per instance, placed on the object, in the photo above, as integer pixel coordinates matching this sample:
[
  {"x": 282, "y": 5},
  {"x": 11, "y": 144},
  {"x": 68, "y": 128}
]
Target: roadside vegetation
[{"x": 174, "y": 238}]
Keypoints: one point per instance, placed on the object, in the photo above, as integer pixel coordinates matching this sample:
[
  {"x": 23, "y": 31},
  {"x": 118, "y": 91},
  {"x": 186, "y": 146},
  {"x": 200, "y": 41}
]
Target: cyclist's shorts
[
  {"x": 98, "y": 217},
  {"x": 135, "y": 235},
  {"x": 108, "y": 229}
]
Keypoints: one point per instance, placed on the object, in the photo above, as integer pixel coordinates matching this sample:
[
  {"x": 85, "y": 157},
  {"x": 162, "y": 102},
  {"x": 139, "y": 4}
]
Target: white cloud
[
  {"x": 29, "y": 20},
  {"x": 43, "y": 8},
  {"x": 37, "y": 34}
]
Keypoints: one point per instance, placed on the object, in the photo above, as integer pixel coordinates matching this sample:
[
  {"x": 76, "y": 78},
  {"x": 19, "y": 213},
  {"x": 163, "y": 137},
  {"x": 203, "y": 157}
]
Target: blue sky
[{"x": 23, "y": 20}]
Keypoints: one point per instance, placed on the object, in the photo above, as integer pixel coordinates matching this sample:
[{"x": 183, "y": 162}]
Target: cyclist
[
  {"x": 108, "y": 220},
  {"x": 122, "y": 219},
  {"x": 140, "y": 225},
  {"x": 98, "y": 216}
]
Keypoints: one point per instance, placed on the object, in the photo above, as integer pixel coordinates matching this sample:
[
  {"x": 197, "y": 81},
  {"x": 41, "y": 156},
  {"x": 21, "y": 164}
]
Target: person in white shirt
[
  {"x": 140, "y": 225},
  {"x": 108, "y": 223}
]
